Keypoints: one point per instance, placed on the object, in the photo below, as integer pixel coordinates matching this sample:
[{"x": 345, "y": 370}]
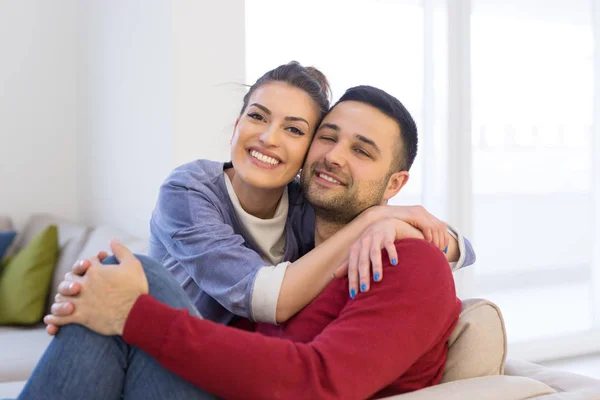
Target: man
[{"x": 389, "y": 340}]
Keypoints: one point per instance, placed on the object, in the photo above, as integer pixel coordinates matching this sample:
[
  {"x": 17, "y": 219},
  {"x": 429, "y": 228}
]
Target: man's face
[{"x": 348, "y": 165}]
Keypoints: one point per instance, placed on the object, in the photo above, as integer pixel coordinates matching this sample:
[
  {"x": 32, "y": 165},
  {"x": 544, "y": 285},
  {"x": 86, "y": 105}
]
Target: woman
[{"x": 186, "y": 232}]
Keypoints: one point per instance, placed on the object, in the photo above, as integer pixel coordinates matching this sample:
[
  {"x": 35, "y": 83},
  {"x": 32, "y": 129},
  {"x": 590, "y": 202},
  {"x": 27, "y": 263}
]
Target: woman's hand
[
  {"x": 105, "y": 293},
  {"x": 365, "y": 253},
  {"x": 434, "y": 230}
]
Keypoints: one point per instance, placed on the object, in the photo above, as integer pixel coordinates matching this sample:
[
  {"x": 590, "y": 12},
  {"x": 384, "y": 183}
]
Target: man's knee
[{"x": 151, "y": 266}]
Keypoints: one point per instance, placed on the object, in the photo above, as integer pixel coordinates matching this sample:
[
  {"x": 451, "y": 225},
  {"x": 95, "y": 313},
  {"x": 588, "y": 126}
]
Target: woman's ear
[{"x": 395, "y": 183}]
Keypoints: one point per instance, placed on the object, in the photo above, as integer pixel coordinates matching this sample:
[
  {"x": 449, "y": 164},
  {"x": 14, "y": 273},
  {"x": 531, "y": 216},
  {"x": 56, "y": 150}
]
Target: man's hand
[
  {"x": 67, "y": 289},
  {"x": 104, "y": 295},
  {"x": 365, "y": 253}
]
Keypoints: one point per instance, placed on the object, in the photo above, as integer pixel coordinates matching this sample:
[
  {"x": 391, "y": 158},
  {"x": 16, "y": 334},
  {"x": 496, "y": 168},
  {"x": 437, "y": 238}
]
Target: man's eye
[
  {"x": 362, "y": 152},
  {"x": 256, "y": 116},
  {"x": 327, "y": 138}
]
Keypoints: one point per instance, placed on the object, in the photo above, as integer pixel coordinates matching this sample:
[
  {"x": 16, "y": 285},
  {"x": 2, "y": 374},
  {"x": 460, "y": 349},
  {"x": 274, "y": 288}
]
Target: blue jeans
[{"x": 81, "y": 364}]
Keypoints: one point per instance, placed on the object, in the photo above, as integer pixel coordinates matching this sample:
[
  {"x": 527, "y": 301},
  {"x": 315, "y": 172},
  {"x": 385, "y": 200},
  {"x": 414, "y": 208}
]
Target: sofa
[{"x": 476, "y": 368}]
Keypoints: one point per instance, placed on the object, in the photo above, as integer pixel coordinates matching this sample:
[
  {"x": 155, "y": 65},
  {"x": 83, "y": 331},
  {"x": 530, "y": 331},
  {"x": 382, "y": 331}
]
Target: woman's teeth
[
  {"x": 263, "y": 158},
  {"x": 329, "y": 179}
]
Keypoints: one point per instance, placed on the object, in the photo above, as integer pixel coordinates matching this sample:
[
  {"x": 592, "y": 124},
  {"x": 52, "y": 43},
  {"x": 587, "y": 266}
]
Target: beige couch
[{"x": 476, "y": 368}]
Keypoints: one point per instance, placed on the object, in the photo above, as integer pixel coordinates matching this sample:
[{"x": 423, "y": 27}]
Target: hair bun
[{"x": 322, "y": 79}]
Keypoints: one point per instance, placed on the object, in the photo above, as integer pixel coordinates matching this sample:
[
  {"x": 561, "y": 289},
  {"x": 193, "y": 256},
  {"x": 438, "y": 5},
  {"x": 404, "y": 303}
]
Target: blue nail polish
[
  {"x": 446, "y": 250},
  {"x": 363, "y": 287},
  {"x": 376, "y": 276},
  {"x": 352, "y": 293},
  {"x": 394, "y": 262}
]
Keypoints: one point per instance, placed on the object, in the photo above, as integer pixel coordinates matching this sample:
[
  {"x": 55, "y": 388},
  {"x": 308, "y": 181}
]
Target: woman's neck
[{"x": 262, "y": 203}]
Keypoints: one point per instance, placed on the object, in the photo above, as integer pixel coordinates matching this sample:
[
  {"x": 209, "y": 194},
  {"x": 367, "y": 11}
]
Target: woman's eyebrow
[
  {"x": 268, "y": 112},
  {"x": 297, "y": 119}
]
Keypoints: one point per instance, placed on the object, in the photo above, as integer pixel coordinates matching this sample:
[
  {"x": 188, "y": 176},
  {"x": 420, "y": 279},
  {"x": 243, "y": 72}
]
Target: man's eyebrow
[
  {"x": 369, "y": 142},
  {"x": 331, "y": 126},
  {"x": 268, "y": 112}
]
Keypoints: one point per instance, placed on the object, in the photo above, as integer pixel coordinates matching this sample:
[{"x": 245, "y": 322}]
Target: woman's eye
[
  {"x": 256, "y": 116},
  {"x": 296, "y": 131}
]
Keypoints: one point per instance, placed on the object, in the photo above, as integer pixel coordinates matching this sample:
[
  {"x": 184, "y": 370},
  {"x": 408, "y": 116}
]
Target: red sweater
[{"x": 387, "y": 341}]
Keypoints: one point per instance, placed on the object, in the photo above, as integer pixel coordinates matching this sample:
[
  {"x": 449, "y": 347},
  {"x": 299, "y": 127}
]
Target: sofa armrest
[
  {"x": 560, "y": 381},
  {"x": 497, "y": 387}
]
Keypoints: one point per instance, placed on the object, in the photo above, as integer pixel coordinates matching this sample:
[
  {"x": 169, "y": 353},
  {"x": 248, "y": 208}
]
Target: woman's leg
[{"x": 80, "y": 364}]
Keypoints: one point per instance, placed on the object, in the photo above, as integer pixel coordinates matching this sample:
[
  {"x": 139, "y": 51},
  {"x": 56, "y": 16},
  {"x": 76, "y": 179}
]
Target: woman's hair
[{"x": 309, "y": 79}]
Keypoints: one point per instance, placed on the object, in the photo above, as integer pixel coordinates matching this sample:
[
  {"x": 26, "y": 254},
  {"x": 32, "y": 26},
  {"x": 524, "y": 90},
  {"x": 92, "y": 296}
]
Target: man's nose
[
  {"x": 269, "y": 137},
  {"x": 336, "y": 156}
]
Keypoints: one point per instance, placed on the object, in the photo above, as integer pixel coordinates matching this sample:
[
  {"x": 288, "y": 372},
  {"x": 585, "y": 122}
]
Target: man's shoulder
[{"x": 420, "y": 267}]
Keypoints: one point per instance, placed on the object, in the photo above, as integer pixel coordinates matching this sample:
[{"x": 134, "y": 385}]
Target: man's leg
[{"x": 80, "y": 364}]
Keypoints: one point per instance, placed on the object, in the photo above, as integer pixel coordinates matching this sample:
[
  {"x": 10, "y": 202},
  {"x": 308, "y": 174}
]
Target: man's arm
[{"x": 375, "y": 339}]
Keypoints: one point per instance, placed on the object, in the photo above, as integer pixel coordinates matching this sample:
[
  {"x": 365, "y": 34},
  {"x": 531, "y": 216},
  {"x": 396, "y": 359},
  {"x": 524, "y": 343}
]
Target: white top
[{"x": 269, "y": 236}]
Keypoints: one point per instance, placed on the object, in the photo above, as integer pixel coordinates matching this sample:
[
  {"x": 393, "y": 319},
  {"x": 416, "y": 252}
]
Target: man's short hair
[{"x": 406, "y": 151}]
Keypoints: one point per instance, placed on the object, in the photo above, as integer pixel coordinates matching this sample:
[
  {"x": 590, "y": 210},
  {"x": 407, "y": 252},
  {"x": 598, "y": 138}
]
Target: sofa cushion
[
  {"x": 71, "y": 238},
  {"x": 500, "y": 387},
  {"x": 21, "y": 350},
  {"x": 564, "y": 382},
  {"x": 6, "y": 238},
  {"x": 99, "y": 239},
  {"x": 26, "y": 278},
  {"x": 5, "y": 223},
  {"x": 11, "y": 390},
  {"x": 477, "y": 346}
]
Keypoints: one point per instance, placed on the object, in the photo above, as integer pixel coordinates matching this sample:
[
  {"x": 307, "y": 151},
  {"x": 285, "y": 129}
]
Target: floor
[{"x": 585, "y": 365}]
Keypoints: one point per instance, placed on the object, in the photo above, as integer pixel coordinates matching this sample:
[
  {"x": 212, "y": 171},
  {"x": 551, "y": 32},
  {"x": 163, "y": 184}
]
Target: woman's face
[{"x": 272, "y": 135}]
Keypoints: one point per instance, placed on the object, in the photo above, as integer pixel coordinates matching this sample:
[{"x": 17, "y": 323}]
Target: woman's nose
[{"x": 269, "y": 137}]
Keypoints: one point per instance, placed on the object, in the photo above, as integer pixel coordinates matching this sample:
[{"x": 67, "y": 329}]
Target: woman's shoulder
[
  {"x": 200, "y": 170},
  {"x": 205, "y": 176}
]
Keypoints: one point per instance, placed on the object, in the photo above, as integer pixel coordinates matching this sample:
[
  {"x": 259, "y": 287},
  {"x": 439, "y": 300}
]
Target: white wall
[
  {"x": 125, "y": 109},
  {"x": 101, "y": 100},
  {"x": 156, "y": 83},
  {"x": 209, "y": 68},
  {"x": 37, "y": 106}
]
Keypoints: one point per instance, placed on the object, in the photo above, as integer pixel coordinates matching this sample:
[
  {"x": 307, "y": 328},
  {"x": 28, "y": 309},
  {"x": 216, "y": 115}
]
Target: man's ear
[
  {"x": 237, "y": 121},
  {"x": 395, "y": 183}
]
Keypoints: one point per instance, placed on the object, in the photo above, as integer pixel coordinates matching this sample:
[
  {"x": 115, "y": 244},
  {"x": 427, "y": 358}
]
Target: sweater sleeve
[
  {"x": 375, "y": 339},
  {"x": 467, "y": 254},
  {"x": 198, "y": 237}
]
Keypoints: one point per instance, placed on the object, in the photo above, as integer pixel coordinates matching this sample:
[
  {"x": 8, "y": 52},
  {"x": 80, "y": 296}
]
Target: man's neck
[{"x": 325, "y": 228}]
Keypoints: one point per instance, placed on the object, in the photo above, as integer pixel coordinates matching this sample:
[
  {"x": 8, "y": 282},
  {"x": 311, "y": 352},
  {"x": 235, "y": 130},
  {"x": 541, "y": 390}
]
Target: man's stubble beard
[{"x": 342, "y": 208}]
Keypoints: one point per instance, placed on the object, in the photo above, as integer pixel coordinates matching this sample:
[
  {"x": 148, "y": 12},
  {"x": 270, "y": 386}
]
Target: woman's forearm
[{"x": 309, "y": 275}]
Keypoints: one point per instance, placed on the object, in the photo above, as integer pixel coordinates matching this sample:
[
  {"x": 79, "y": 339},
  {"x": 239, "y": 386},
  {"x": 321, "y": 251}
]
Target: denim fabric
[{"x": 80, "y": 364}]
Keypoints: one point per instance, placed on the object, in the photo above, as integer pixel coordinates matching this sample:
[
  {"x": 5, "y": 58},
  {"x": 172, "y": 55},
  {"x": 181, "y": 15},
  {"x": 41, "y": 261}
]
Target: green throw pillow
[{"x": 26, "y": 278}]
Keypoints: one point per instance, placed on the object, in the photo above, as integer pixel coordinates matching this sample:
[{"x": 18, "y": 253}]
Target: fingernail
[
  {"x": 377, "y": 276},
  {"x": 363, "y": 287},
  {"x": 394, "y": 262},
  {"x": 81, "y": 263},
  {"x": 446, "y": 250},
  {"x": 71, "y": 286},
  {"x": 352, "y": 293}
]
